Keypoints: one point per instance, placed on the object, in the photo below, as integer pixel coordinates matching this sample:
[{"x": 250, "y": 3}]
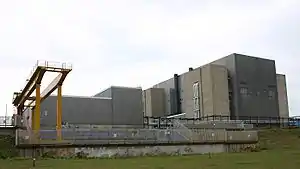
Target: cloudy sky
[{"x": 142, "y": 42}]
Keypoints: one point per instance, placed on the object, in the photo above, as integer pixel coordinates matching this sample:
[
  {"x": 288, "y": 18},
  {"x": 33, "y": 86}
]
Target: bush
[
  {"x": 49, "y": 154},
  {"x": 81, "y": 155}
]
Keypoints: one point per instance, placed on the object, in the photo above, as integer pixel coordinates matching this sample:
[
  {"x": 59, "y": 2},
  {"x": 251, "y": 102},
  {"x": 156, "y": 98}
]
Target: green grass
[{"x": 280, "y": 150}]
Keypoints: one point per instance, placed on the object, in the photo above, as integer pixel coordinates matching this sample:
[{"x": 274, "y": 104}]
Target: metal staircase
[{"x": 182, "y": 130}]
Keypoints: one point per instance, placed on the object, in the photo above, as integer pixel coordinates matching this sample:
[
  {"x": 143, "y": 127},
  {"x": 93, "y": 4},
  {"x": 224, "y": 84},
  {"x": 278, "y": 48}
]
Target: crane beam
[
  {"x": 37, "y": 75},
  {"x": 31, "y": 89}
]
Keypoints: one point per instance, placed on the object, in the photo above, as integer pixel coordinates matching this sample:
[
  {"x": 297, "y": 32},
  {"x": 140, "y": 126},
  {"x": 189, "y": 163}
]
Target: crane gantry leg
[
  {"x": 37, "y": 112},
  {"x": 32, "y": 120},
  {"x": 33, "y": 84},
  {"x": 59, "y": 113}
]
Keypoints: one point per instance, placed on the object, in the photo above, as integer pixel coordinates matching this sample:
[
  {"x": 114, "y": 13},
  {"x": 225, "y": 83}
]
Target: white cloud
[{"x": 142, "y": 42}]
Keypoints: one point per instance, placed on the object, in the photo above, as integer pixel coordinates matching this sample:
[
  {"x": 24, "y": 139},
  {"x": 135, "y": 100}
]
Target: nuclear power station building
[{"x": 236, "y": 86}]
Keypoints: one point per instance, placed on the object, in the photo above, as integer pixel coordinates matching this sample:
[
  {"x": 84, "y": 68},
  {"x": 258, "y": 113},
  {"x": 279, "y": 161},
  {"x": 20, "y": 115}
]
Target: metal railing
[
  {"x": 132, "y": 136},
  {"x": 52, "y": 64},
  {"x": 6, "y": 121},
  {"x": 184, "y": 131},
  {"x": 163, "y": 123},
  {"x": 49, "y": 64},
  {"x": 257, "y": 122}
]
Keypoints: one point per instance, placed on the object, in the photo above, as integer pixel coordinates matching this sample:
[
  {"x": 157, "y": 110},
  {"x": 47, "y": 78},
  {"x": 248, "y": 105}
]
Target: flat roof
[{"x": 85, "y": 97}]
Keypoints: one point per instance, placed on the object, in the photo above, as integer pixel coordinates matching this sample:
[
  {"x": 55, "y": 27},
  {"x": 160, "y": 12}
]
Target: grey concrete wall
[
  {"x": 7, "y": 131},
  {"x": 77, "y": 110},
  {"x": 127, "y": 106},
  {"x": 115, "y": 152},
  {"x": 146, "y": 103},
  {"x": 154, "y": 102},
  {"x": 213, "y": 91},
  {"x": 220, "y": 93},
  {"x": 207, "y": 94},
  {"x": 230, "y": 64},
  {"x": 168, "y": 87},
  {"x": 105, "y": 152},
  {"x": 282, "y": 96},
  {"x": 187, "y": 81}
]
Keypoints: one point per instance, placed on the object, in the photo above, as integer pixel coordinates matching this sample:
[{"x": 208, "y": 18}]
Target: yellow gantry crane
[{"x": 20, "y": 99}]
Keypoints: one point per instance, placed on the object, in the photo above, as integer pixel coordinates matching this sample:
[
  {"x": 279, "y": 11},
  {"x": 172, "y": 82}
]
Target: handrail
[{"x": 185, "y": 132}]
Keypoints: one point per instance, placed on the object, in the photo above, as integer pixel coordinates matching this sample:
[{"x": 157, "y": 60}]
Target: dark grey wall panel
[
  {"x": 127, "y": 106},
  {"x": 77, "y": 110},
  {"x": 257, "y": 77},
  {"x": 173, "y": 102},
  {"x": 251, "y": 82}
]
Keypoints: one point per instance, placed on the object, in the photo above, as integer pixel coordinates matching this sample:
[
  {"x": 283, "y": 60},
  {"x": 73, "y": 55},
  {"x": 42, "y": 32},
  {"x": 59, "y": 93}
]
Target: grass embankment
[
  {"x": 7, "y": 150},
  {"x": 280, "y": 149}
]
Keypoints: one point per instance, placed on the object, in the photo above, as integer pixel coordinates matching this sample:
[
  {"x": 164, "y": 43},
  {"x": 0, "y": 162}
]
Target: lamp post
[{"x": 5, "y": 118}]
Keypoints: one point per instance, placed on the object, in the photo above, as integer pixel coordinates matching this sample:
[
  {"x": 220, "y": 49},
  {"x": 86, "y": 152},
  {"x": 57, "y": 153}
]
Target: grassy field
[{"x": 280, "y": 149}]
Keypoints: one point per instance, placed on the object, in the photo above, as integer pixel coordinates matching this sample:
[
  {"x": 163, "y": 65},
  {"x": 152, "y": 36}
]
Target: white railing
[
  {"x": 6, "y": 121},
  {"x": 52, "y": 64},
  {"x": 184, "y": 131},
  {"x": 49, "y": 64}
]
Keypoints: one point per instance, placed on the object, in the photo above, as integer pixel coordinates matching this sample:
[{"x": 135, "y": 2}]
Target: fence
[
  {"x": 6, "y": 121},
  {"x": 162, "y": 122},
  {"x": 134, "y": 136},
  {"x": 258, "y": 122}
]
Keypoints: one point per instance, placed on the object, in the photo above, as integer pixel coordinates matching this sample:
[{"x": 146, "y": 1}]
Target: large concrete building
[{"x": 237, "y": 86}]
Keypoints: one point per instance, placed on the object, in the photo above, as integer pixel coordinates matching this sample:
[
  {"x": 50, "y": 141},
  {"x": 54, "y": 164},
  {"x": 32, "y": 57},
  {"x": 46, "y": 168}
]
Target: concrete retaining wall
[
  {"x": 7, "y": 131},
  {"x": 140, "y": 136},
  {"x": 112, "y": 152}
]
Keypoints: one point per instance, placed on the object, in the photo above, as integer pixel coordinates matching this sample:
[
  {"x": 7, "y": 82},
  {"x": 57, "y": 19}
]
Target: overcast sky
[{"x": 142, "y": 42}]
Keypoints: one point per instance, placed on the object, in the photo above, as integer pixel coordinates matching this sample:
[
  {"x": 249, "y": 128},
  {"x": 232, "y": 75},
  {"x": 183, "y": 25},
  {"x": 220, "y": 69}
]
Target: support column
[
  {"x": 37, "y": 112},
  {"x": 59, "y": 113},
  {"x": 32, "y": 119}
]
